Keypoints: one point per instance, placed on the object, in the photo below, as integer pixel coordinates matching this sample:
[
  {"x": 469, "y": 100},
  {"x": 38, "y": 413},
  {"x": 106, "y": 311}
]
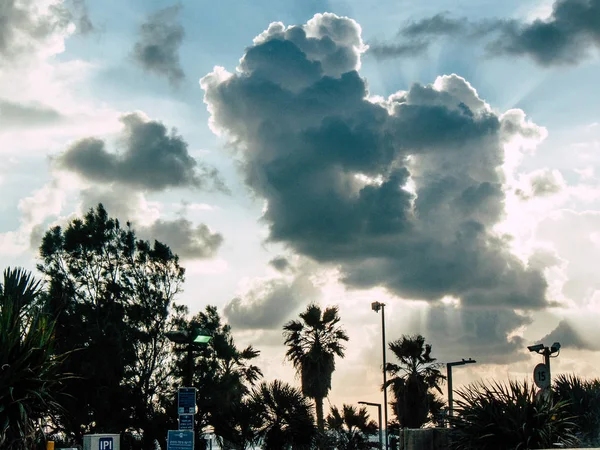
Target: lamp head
[
  {"x": 535, "y": 348},
  {"x": 376, "y": 306}
]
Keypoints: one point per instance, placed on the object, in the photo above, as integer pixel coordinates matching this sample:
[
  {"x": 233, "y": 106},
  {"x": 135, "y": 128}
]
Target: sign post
[{"x": 541, "y": 376}]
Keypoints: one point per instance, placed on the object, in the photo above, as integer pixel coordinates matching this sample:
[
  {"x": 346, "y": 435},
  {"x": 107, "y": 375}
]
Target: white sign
[
  {"x": 105, "y": 443},
  {"x": 541, "y": 377}
]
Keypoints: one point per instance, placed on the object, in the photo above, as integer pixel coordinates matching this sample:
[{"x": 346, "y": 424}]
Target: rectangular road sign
[
  {"x": 180, "y": 440},
  {"x": 186, "y": 422},
  {"x": 106, "y": 443},
  {"x": 186, "y": 400}
]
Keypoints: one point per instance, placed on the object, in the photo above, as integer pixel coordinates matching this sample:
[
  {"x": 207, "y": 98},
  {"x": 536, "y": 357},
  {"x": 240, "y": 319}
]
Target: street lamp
[
  {"x": 546, "y": 352},
  {"x": 379, "y": 415},
  {"x": 191, "y": 339},
  {"x": 376, "y": 306},
  {"x": 449, "y": 376}
]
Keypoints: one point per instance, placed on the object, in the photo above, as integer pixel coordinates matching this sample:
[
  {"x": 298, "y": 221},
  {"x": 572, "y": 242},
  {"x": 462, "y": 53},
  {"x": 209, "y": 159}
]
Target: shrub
[{"x": 496, "y": 416}]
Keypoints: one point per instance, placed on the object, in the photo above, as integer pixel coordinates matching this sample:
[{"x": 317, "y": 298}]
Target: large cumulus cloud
[
  {"x": 152, "y": 158},
  {"x": 402, "y": 192},
  {"x": 567, "y": 36}
]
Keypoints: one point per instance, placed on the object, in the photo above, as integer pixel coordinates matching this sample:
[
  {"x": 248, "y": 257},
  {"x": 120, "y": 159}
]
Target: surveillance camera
[
  {"x": 555, "y": 347},
  {"x": 376, "y": 306},
  {"x": 535, "y": 348}
]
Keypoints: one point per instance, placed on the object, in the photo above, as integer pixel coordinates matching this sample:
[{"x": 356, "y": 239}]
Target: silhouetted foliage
[
  {"x": 313, "y": 343},
  {"x": 413, "y": 380},
  {"x": 352, "y": 428},
  {"x": 284, "y": 415},
  {"x": 582, "y": 398},
  {"x": 499, "y": 416},
  {"x": 30, "y": 372},
  {"x": 111, "y": 294},
  {"x": 223, "y": 375}
]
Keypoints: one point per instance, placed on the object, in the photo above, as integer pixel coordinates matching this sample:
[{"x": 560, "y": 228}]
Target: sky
[{"x": 440, "y": 158}]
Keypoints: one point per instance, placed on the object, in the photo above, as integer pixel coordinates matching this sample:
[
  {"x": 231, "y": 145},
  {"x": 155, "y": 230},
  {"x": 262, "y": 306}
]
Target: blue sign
[
  {"x": 180, "y": 440},
  {"x": 186, "y": 403},
  {"x": 186, "y": 421},
  {"x": 105, "y": 443}
]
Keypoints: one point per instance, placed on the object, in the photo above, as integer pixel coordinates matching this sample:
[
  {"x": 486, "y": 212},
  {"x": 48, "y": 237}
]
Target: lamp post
[
  {"x": 546, "y": 352},
  {"x": 449, "y": 375},
  {"x": 190, "y": 339},
  {"x": 376, "y": 306},
  {"x": 379, "y": 415}
]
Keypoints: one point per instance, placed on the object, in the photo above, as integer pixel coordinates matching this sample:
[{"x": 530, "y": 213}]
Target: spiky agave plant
[
  {"x": 495, "y": 416},
  {"x": 29, "y": 370},
  {"x": 583, "y": 403}
]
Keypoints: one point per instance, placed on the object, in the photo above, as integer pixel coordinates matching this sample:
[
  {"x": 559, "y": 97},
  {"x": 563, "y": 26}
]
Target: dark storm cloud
[
  {"x": 270, "y": 303},
  {"x": 402, "y": 193},
  {"x": 568, "y": 337},
  {"x": 159, "y": 40},
  {"x": 186, "y": 239},
  {"x": 19, "y": 115},
  {"x": 152, "y": 158},
  {"x": 566, "y": 37},
  {"x": 23, "y": 26}
]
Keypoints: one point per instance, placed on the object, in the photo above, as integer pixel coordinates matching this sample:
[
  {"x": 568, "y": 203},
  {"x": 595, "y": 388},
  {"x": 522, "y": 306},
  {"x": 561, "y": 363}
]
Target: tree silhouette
[
  {"x": 111, "y": 294},
  {"x": 412, "y": 381},
  {"x": 284, "y": 417},
  {"x": 313, "y": 343},
  {"x": 351, "y": 428}
]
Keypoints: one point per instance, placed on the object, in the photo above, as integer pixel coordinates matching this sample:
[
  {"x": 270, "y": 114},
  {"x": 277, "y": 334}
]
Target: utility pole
[
  {"x": 449, "y": 376},
  {"x": 380, "y": 424},
  {"x": 376, "y": 306}
]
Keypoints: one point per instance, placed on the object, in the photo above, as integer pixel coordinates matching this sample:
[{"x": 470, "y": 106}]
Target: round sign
[{"x": 541, "y": 377}]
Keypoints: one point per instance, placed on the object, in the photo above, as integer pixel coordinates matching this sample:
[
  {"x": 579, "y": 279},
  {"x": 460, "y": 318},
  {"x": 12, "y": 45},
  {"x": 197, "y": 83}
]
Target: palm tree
[
  {"x": 313, "y": 344},
  {"x": 412, "y": 381},
  {"x": 351, "y": 428},
  {"x": 29, "y": 371},
  {"x": 284, "y": 416}
]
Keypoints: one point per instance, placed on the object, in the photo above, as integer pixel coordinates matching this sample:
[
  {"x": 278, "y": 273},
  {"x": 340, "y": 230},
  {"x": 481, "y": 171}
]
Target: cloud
[
  {"x": 397, "y": 50},
  {"x": 268, "y": 303},
  {"x": 18, "y": 115},
  {"x": 489, "y": 335},
  {"x": 568, "y": 337},
  {"x": 157, "y": 48},
  {"x": 185, "y": 239},
  {"x": 28, "y": 25},
  {"x": 541, "y": 183},
  {"x": 189, "y": 241},
  {"x": 280, "y": 263},
  {"x": 402, "y": 192},
  {"x": 566, "y": 36},
  {"x": 152, "y": 159}
]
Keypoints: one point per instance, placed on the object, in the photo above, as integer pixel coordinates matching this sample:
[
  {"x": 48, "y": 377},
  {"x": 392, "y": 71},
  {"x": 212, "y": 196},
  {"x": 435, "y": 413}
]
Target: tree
[
  {"x": 284, "y": 417},
  {"x": 111, "y": 294},
  {"x": 313, "y": 343},
  {"x": 223, "y": 375},
  {"x": 351, "y": 428},
  {"x": 30, "y": 375},
  {"x": 413, "y": 380}
]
